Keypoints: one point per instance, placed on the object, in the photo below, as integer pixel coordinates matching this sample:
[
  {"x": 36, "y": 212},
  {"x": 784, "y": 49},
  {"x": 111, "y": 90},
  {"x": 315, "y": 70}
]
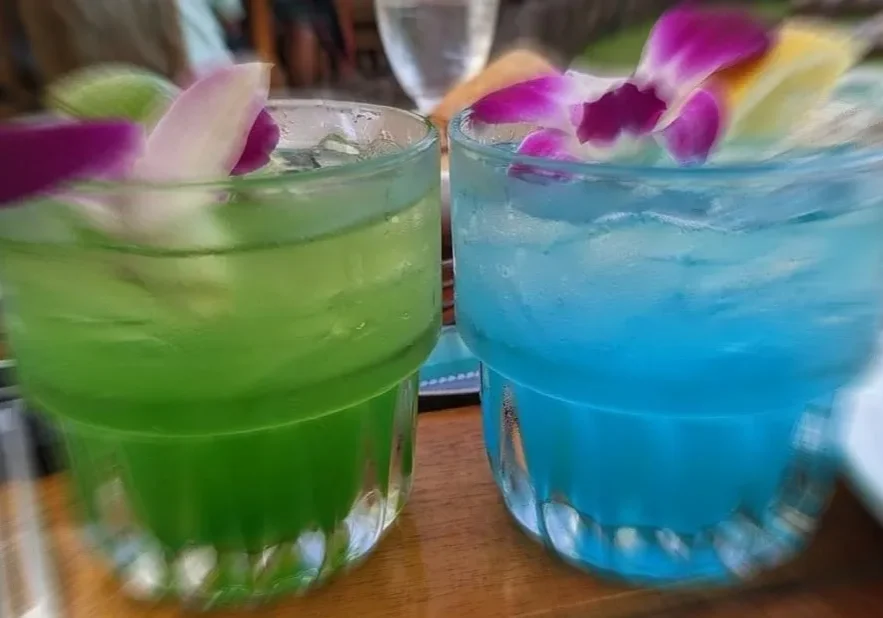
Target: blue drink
[{"x": 662, "y": 347}]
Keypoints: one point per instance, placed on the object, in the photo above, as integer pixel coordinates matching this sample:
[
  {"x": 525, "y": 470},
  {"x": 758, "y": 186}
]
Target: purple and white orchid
[
  {"x": 671, "y": 99},
  {"x": 165, "y": 195},
  {"x": 36, "y": 157},
  {"x": 263, "y": 137},
  {"x": 215, "y": 127}
]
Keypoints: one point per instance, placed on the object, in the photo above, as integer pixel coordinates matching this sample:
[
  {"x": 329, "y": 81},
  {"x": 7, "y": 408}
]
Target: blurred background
[{"x": 332, "y": 46}]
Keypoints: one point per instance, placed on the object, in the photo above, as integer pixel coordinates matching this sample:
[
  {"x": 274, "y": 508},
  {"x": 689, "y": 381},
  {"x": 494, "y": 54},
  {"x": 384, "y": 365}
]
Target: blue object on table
[
  {"x": 860, "y": 434},
  {"x": 451, "y": 369}
]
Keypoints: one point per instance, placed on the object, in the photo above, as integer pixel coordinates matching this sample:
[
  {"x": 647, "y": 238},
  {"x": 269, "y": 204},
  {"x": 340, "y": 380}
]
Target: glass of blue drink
[{"x": 662, "y": 345}]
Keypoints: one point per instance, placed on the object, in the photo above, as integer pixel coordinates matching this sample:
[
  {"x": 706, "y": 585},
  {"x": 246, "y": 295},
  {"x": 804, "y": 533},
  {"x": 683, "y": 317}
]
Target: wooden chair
[
  {"x": 360, "y": 36},
  {"x": 263, "y": 38},
  {"x": 368, "y": 46}
]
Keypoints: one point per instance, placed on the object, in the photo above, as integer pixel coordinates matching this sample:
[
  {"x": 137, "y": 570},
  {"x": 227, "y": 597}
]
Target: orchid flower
[
  {"x": 202, "y": 137},
  {"x": 674, "y": 97},
  {"x": 128, "y": 92},
  {"x": 217, "y": 126},
  {"x": 210, "y": 130},
  {"x": 262, "y": 139},
  {"x": 37, "y": 157}
]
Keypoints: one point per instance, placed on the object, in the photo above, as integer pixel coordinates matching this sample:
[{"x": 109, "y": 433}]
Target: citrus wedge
[
  {"x": 111, "y": 91},
  {"x": 773, "y": 94}
]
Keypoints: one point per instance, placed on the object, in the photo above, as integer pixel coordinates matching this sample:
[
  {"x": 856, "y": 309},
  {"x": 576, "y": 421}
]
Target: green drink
[{"x": 239, "y": 414}]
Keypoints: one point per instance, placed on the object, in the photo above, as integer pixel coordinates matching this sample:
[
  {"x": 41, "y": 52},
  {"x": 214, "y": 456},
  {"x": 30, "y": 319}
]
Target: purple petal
[
  {"x": 36, "y": 158},
  {"x": 204, "y": 131},
  {"x": 592, "y": 86},
  {"x": 688, "y": 44},
  {"x": 543, "y": 100},
  {"x": 627, "y": 109},
  {"x": 697, "y": 128},
  {"x": 200, "y": 138},
  {"x": 552, "y": 144},
  {"x": 261, "y": 143},
  {"x": 264, "y": 135},
  {"x": 549, "y": 144}
]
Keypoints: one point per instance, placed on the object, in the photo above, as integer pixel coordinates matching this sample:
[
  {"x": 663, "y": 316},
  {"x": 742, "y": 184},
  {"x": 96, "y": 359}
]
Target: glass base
[
  {"x": 206, "y": 576},
  {"x": 240, "y": 518},
  {"x": 654, "y": 499}
]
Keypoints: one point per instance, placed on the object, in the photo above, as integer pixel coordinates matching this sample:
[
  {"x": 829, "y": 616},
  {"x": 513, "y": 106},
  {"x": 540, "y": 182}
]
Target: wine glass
[{"x": 434, "y": 44}]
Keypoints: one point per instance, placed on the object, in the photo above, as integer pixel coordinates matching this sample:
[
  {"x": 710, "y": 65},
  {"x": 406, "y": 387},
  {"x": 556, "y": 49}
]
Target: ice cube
[
  {"x": 339, "y": 144},
  {"x": 336, "y": 150},
  {"x": 507, "y": 225},
  {"x": 196, "y": 285},
  {"x": 168, "y": 220},
  {"x": 758, "y": 262},
  {"x": 383, "y": 145},
  {"x": 837, "y": 124},
  {"x": 332, "y": 150},
  {"x": 295, "y": 160}
]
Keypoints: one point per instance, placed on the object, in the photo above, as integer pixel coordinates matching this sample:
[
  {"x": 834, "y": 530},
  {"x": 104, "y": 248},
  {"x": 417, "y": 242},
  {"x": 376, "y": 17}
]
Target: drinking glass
[
  {"x": 432, "y": 45},
  {"x": 662, "y": 347},
  {"x": 239, "y": 407},
  {"x": 27, "y": 577}
]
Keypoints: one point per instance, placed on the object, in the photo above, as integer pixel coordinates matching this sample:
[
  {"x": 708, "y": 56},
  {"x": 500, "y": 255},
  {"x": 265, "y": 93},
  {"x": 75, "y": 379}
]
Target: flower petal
[
  {"x": 204, "y": 131},
  {"x": 627, "y": 109},
  {"x": 35, "y": 158},
  {"x": 592, "y": 86},
  {"x": 200, "y": 138},
  {"x": 264, "y": 135},
  {"x": 688, "y": 44},
  {"x": 698, "y": 126},
  {"x": 548, "y": 143},
  {"x": 261, "y": 143},
  {"x": 542, "y": 100},
  {"x": 552, "y": 144}
]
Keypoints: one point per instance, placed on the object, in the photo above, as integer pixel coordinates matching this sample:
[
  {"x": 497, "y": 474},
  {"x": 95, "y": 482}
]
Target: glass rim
[
  {"x": 829, "y": 164},
  {"x": 359, "y": 169}
]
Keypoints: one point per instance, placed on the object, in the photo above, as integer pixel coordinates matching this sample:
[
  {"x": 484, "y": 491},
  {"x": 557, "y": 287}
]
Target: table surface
[{"x": 455, "y": 553}]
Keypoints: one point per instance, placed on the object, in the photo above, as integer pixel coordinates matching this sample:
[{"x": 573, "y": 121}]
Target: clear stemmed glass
[{"x": 434, "y": 44}]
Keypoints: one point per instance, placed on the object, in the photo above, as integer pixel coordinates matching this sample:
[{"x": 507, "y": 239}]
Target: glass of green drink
[{"x": 239, "y": 404}]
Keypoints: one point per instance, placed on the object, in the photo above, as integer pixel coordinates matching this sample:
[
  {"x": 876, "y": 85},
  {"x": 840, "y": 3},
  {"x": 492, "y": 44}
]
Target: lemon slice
[
  {"x": 111, "y": 91},
  {"x": 772, "y": 95}
]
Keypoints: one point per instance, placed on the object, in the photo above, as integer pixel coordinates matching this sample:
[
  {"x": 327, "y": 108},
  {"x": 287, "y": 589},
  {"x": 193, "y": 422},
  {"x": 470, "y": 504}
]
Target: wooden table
[{"x": 455, "y": 554}]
